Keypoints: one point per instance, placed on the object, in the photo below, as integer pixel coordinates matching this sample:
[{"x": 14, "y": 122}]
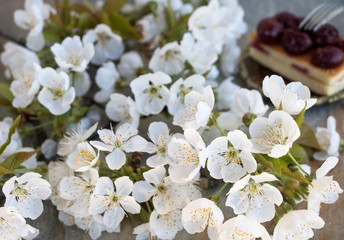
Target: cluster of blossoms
[{"x": 97, "y": 175}]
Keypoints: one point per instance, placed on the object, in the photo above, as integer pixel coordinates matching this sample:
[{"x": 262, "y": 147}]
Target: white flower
[
  {"x": 56, "y": 171},
  {"x": 274, "y": 135},
  {"x": 230, "y": 157},
  {"x": 129, "y": 64},
  {"x": 148, "y": 28},
  {"x": 197, "y": 110},
  {"x": 89, "y": 224},
  {"x": 297, "y": 225},
  {"x": 167, "y": 195},
  {"x": 323, "y": 189},
  {"x": 83, "y": 157},
  {"x": 329, "y": 140},
  {"x": 73, "y": 137},
  {"x": 245, "y": 102},
  {"x": 226, "y": 94},
  {"x": 25, "y": 85},
  {"x": 113, "y": 203},
  {"x": 29, "y": 232},
  {"x": 25, "y": 193},
  {"x": 122, "y": 109},
  {"x": 14, "y": 57},
  {"x": 71, "y": 54},
  {"x": 168, "y": 59},
  {"x": 159, "y": 133},
  {"x": 107, "y": 45},
  {"x": 32, "y": 19},
  {"x": 82, "y": 83},
  {"x": 199, "y": 214},
  {"x": 250, "y": 196},
  {"x": 187, "y": 156},
  {"x": 31, "y": 162},
  {"x": 150, "y": 92},
  {"x": 166, "y": 226},
  {"x": 144, "y": 232},
  {"x": 291, "y": 98},
  {"x": 201, "y": 55},
  {"x": 230, "y": 58},
  {"x": 49, "y": 148},
  {"x": 57, "y": 94},
  {"x": 66, "y": 218},
  {"x": 181, "y": 88},
  {"x": 216, "y": 24},
  {"x": 106, "y": 78},
  {"x": 12, "y": 223},
  {"x": 15, "y": 143},
  {"x": 242, "y": 227},
  {"x": 124, "y": 140},
  {"x": 79, "y": 189}
]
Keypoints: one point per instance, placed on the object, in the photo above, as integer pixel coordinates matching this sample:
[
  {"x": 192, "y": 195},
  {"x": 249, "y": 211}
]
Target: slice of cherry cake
[{"x": 313, "y": 58}]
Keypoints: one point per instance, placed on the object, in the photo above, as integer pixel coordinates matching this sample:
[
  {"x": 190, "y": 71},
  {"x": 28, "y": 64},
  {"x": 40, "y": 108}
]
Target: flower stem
[
  {"x": 294, "y": 160},
  {"x": 215, "y": 198},
  {"x": 40, "y": 126},
  {"x": 148, "y": 208},
  {"x": 73, "y": 78},
  {"x": 217, "y": 125}
]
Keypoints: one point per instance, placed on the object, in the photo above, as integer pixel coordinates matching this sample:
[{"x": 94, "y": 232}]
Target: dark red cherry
[
  {"x": 340, "y": 45},
  {"x": 284, "y": 17},
  {"x": 270, "y": 31},
  {"x": 326, "y": 35},
  {"x": 327, "y": 57},
  {"x": 295, "y": 42},
  {"x": 293, "y": 23}
]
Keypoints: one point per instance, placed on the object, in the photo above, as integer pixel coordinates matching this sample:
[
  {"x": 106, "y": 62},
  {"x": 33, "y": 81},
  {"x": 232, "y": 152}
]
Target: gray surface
[{"x": 333, "y": 215}]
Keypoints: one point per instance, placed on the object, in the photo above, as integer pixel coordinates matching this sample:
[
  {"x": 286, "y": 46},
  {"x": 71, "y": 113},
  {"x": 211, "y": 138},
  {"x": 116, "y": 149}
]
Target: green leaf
[
  {"x": 10, "y": 133},
  {"x": 122, "y": 26},
  {"x": 308, "y": 137},
  {"x": 16, "y": 159},
  {"x": 5, "y": 91},
  {"x": 113, "y": 5},
  {"x": 301, "y": 116},
  {"x": 4, "y": 171},
  {"x": 299, "y": 153},
  {"x": 5, "y": 102},
  {"x": 280, "y": 167}
]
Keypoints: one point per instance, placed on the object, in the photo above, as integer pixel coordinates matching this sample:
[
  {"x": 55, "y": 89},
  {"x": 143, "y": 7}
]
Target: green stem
[
  {"x": 40, "y": 126},
  {"x": 294, "y": 160},
  {"x": 73, "y": 78},
  {"x": 221, "y": 189},
  {"x": 148, "y": 208},
  {"x": 217, "y": 125}
]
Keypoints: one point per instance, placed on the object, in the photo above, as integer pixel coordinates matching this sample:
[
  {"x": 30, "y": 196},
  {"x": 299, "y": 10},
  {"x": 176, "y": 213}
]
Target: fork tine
[
  {"x": 309, "y": 15},
  {"x": 329, "y": 17},
  {"x": 319, "y": 15}
]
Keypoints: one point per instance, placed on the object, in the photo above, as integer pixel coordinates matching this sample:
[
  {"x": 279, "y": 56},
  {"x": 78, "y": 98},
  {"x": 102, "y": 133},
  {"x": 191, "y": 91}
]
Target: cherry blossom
[
  {"x": 57, "y": 95},
  {"x": 71, "y": 54},
  {"x": 329, "y": 140},
  {"x": 323, "y": 189},
  {"x": 167, "y": 195},
  {"x": 297, "y": 224},
  {"x": 166, "y": 226},
  {"x": 151, "y": 94},
  {"x": 292, "y": 98},
  {"x": 250, "y": 196},
  {"x": 111, "y": 202},
  {"x": 230, "y": 158},
  {"x": 12, "y": 223},
  {"x": 25, "y": 193},
  {"x": 106, "y": 78},
  {"x": 124, "y": 140},
  {"x": 274, "y": 135},
  {"x": 129, "y": 63},
  {"x": 107, "y": 45}
]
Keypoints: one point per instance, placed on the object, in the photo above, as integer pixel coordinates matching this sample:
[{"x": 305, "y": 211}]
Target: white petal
[
  {"x": 130, "y": 205},
  {"x": 123, "y": 186},
  {"x": 330, "y": 163},
  {"x": 143, "y": 191},
  {"x": 116, "y": 159},
  {"x": 155, "y": 175}
]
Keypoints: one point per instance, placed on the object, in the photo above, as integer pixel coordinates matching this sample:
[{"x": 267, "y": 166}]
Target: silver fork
[{"x": 320, "y": 16}]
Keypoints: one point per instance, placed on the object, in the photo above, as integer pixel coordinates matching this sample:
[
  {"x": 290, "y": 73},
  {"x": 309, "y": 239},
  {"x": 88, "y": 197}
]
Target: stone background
[{"x": 333, "y": 215}]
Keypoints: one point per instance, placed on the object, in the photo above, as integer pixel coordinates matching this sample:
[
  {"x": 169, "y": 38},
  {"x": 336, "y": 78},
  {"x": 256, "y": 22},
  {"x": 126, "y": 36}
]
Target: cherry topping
[
  {"x": 340, "y": 45},
  {"x": 327, "y": 57},
  {"x": 293, "y": 23},
  {"x": 270, "y": 31},
  {"x": 295, "y": 42},
  {"x": 284, "y": 17},
  {"x": 326, "y": 35}
]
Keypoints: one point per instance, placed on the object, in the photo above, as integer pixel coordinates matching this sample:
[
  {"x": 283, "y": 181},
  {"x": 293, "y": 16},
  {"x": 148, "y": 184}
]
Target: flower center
[
  {"x": 231, "y": 155},
  {"x": 103, "y": 37},
  {"x": 201, "y": 214},
  {"x": 84, "y": 156},
  {"x": 58, "y": 92},
  {"x": 74, "y": 59},
  {"x": 170, "y": 54},
  {"x": 19, "y": 190},
  {"x": 239, "y": 234},
  {"x": 272, "y": 135},
  {"x": 183, "y": 91}
]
